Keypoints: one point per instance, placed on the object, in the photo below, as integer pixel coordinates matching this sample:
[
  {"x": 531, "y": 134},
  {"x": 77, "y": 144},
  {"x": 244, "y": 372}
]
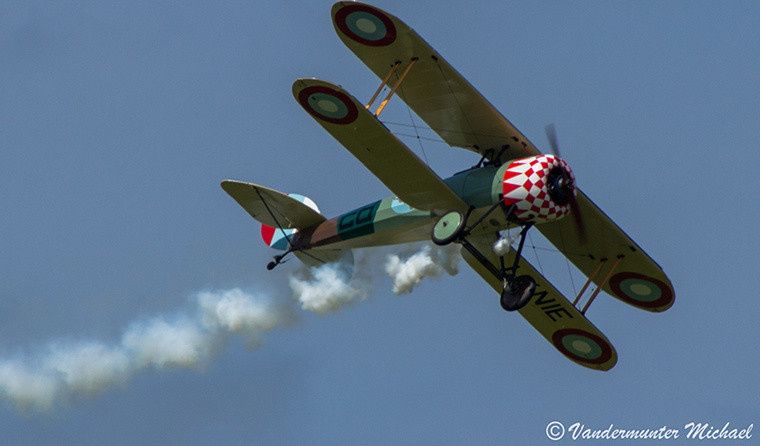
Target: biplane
[{"x": 513, "y": 186}]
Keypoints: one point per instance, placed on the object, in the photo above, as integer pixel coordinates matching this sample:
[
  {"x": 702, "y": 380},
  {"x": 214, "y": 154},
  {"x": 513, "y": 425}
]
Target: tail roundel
[{"x": 278, "y": 238}]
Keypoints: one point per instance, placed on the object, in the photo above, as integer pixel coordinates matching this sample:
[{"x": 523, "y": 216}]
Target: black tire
[
  {"x": 518, "y": 293},
  {"x": 448, "y": 228}
]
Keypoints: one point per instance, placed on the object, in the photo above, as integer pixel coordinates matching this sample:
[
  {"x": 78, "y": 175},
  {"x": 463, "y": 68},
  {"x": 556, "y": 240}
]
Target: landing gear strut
[
  {"x": 516, "y": 291},
  {"x": 451, "y": 227}
]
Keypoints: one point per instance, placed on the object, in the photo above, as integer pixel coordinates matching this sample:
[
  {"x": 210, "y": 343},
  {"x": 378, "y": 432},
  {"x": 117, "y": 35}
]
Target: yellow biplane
[{"x": 512, "y": 186}]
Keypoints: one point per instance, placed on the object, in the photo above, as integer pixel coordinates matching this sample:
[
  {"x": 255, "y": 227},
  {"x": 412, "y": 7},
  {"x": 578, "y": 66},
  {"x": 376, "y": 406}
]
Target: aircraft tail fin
[{"x": 281, "y": 215}]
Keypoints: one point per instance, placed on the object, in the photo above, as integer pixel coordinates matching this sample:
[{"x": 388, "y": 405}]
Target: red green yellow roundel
[
  {"x": 328, "y": 105},
  {"x": 365, "y": 25},
  {"x": 582, "y": 346},
  {"x": 640, "y": 290}
]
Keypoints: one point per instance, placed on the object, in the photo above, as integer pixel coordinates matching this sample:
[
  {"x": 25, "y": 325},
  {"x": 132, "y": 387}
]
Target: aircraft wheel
[
  {"x": 518, "y": 293},
  {"x": 448, "y": 228}
]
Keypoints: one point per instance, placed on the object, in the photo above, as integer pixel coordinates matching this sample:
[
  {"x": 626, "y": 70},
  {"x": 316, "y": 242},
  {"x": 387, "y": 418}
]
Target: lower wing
[
  {"x": 378, "y": 149},
  {"x": 548, "y": 311},
  {"x": 631, "y": 275}
]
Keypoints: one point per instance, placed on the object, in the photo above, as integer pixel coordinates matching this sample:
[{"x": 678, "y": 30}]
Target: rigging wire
[
  {"x": 279, "y": 226},
  {"x": 456, "y": 99},
  {"x": 414, "y": 126},
  {"x": 567, "y": 262},
  {"x": 556, "y": 251},
  {"x": 538, "y": 260},
  {"x": 566, "y": 258},
  {"x": 271, "y": 214},
  {"x": 419, "y": 137},
  {"x": 439, "y": 130}
]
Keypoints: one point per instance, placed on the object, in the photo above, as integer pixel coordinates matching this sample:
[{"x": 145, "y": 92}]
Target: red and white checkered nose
[{"x": 526, "y": 185}]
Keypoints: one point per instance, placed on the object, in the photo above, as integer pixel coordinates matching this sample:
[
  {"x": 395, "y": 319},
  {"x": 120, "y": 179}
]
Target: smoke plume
[
  {"x": 62, "y": 372},
  {"x": 430, "y": 261},
  {"x": 329, "y": 288}
]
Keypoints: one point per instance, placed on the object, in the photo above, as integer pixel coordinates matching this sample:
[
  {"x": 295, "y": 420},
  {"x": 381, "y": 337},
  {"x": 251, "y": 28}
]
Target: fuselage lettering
[
  {"x": 364, "y": 214},
  {"x": 348, "y": 220}
]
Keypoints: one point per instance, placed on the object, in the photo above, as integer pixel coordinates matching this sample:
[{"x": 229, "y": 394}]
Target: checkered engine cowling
[{"x": 525, "y": 185}]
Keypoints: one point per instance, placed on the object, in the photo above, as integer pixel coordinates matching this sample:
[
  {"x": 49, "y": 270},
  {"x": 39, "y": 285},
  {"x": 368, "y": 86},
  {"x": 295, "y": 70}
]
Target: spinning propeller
[{"x": 561, "y": 187}]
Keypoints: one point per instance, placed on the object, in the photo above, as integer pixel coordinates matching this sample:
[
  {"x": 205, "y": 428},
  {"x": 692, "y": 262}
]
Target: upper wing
[
  {"x": 377, "y": 148},
  {"x": 636, "y": 279},
  {"x": 272, "y": 208},
  {"x": 548, "y": 311},
  {"x": 444, "y": 99}
]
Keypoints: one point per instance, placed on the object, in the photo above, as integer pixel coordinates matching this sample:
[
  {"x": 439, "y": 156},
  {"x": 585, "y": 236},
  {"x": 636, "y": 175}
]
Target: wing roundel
[
  {"x": 442, "y": 97},
  {"x": 348, "y": 121},
  {"x": 364, "y": 24}
]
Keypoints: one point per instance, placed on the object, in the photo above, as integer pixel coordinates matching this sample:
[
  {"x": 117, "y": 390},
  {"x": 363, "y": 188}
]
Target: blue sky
[{"x": 118, "y": 121}]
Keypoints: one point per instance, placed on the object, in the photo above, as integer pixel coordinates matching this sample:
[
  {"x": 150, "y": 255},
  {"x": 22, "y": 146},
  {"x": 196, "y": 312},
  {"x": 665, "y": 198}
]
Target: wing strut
[
  {"x": 588, "y": 282},
  {"x": 601, "y": 284},
  {"x": 395, "y": 87},
  {"x": 382, "y": 84},
  {"x": 604, "y": 282}
]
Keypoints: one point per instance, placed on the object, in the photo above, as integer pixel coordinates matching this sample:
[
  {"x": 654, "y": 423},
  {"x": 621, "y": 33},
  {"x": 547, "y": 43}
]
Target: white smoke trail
[
  {"x": 235, "y": 312},
  {"x": 329, "y": 288},
  {"x": 430, "y": 261},
  {"x": 67, "y": 371}
]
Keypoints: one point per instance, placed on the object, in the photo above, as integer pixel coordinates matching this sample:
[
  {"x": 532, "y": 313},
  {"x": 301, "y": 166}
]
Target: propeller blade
[
  {"x": 576, "y": 211},
  {"x": 551, "y": 135}
]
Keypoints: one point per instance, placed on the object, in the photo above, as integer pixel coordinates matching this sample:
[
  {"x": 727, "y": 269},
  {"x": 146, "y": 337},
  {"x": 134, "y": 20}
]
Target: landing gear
[
  {"x": 448, "y": 228},
  {"x": 517, "y": 292}
]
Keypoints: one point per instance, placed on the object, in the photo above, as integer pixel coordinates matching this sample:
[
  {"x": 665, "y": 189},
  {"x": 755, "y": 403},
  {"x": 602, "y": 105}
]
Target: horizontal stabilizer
[{"x": 272, "y": 208}]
